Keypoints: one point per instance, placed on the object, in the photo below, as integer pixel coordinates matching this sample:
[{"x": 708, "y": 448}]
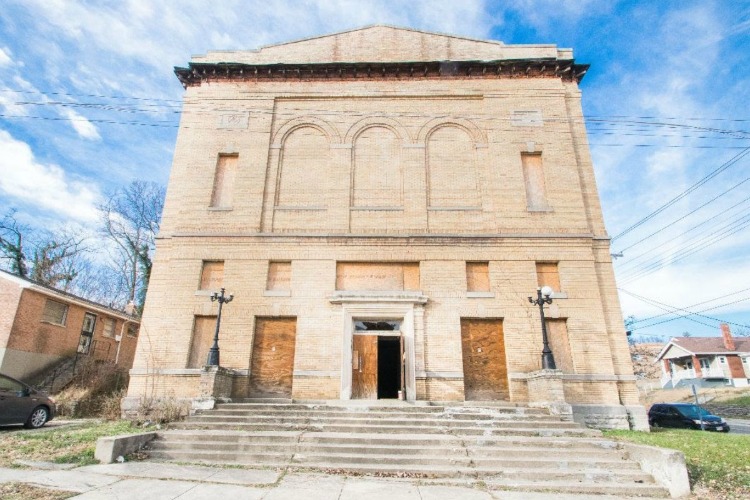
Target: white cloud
[
  {"x": 80, "y": 124},
  {"x": 5, "y": 59},
  {"x": 45, "y": 186}
]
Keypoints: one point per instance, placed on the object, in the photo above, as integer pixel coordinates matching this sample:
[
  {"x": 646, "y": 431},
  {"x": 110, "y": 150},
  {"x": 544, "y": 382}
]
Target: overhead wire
[{"x": 672, "y": 309}]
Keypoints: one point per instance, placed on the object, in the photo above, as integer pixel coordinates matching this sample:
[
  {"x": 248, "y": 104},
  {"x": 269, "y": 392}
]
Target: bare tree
[
  {"x": 49, "y": 257},
  {"x": 57, "y": 258},
  {"x": 130, "y": 219},
  {"x": 12, "y": 244}
]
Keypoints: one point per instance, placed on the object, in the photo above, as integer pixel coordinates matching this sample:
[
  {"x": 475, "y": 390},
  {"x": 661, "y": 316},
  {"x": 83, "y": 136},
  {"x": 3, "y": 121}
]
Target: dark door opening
[{"x": 389, "y": 367}]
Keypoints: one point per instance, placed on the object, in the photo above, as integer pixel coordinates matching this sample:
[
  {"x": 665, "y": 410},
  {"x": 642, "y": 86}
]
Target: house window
[
  {"x": 132, "y": 330},
  {"x": 722, "y": 360},
  {"x": 212, "y": 275},
  {"x": 533, "y": 176},
  {"x": 55, "y": 312},
  {"x": 279, "y": 276},
  {"x": 547, "y": 275},
  {"x": 109, "y": 328},
  {"x": 477, "y": 277},
  {"x": 226, "y": 170}
]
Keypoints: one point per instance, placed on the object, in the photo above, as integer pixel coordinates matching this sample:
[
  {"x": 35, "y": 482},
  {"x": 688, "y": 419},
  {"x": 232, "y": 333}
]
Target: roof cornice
[{"x": 197, "y": 72}]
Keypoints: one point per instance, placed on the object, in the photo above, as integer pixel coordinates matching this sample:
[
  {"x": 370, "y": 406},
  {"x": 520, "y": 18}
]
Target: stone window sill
[{"x": 220, "y": 209}]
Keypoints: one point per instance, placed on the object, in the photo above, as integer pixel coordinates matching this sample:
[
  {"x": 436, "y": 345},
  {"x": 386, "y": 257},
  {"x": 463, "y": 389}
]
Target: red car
[{"x": 21, "y": 404}]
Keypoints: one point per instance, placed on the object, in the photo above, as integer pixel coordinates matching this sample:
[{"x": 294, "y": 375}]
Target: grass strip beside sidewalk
[
  {"x": 63, "y": 445},
  {"x": 717, "y": 463}
]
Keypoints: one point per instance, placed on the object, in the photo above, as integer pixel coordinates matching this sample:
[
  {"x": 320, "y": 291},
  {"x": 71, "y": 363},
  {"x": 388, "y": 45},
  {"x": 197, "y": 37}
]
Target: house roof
[
  {"x": 705, "y": 345},
  {"x": 65, "y": 296}
]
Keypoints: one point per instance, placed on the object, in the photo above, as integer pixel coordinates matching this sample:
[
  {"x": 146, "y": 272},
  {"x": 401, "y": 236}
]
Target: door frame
[{"x": 409, "y": 309}]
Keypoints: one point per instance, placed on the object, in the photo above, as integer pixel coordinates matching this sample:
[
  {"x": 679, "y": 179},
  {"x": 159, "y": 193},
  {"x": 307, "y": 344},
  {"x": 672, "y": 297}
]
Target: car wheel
[
  {"x": 655, "y": 424},
  {"x": 38, "y": 418}
]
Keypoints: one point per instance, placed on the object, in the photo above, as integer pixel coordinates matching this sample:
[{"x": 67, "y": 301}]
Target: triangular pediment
[
  {"x": 674, "y": 351},
  {"x": 381, "y": 44}
]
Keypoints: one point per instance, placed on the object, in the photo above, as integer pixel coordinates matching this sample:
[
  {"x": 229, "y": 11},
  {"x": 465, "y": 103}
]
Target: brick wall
[{"x": 31, "y": 344}]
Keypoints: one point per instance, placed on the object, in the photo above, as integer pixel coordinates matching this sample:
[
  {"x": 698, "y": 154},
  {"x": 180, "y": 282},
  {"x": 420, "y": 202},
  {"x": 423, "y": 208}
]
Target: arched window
[
  {"x": 377, "y": 178},
  {"x": 451, "y": 169},
  {"x": 305, "y": 169}
]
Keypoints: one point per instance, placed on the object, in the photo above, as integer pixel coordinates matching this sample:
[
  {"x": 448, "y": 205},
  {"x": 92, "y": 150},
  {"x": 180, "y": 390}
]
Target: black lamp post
[
  {"x": 213, "y": 353},
  {"x": 543, "y": 297}
]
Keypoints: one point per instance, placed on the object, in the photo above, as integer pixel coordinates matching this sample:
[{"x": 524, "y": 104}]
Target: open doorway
[
  {"x": 377, "y": 360},
  {"x": 389, "y": 367}
]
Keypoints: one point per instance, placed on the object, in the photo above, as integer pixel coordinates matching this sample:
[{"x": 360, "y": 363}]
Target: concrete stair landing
[{"x": 498, "y": 447}]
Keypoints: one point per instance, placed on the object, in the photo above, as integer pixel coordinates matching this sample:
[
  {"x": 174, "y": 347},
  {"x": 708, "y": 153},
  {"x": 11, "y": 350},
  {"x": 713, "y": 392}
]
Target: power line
[
  {"x": 667, "y": 307},
  {"x": 650, "y": 318},
  {"x": 732, "y": 161}
]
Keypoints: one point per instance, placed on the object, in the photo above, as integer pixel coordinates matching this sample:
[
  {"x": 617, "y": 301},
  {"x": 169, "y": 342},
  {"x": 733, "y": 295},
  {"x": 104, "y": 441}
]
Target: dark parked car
[
  {"x": 685, "y": 416},
  {"x": 20, "y": 404}
]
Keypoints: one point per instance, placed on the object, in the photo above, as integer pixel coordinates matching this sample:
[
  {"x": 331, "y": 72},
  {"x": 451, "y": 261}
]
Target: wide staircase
[{"x": 500, "y": 448}]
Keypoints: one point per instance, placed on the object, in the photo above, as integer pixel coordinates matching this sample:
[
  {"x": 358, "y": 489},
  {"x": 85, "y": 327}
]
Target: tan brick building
[
  {"x": 41, "y": 327},
  {"x": 381, "y": 202}
]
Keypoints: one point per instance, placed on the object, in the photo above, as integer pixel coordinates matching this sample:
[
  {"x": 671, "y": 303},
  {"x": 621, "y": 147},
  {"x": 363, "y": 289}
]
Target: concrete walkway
[{"x": 166, "y": 481}]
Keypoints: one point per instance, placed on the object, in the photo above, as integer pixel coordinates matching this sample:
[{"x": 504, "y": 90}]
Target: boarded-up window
[
  {"x": 212, "y": 275},
  {"x": 451, "y": 167},
  {"x": 377, "y": 276},
  {"x": 226, "y": 170},
  {"x": 378, "y": 178},
  {"x": 305, "y": 163},
  {"x": 547, "y": 275},
  {"x": 477, "y": 277},
  {"x": 559, "y": 343},
  {"x": 203, "y": 335},
  {"x": 55, "y": 312},
  {"x": 279, "y": 276},
  {"x": 109, "y": 328},
  {"x": 533, "y": 176}
]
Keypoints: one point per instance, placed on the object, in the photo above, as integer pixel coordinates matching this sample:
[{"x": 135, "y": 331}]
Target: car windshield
[{"x": 693, "y": 411}]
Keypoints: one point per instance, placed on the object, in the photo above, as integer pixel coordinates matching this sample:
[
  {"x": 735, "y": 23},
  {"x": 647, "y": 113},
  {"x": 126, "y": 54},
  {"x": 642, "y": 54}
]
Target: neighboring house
[
  {"x": 381, "y": 202},
  {"x": 41, "y": 326},
  {"x": 705, "y": 361}
]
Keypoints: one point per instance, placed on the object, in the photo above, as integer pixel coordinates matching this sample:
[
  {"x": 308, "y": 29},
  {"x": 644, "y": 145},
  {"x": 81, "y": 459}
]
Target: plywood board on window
[
  {"x": 533, "y": 174},
  {"x": 279, "y": 276},
  {"x": 548, "y": 275},
  {"x": 365, "y": 367},
  {"x": 559, "y": 343},
  {"x": 485, "y": 368},
  {"x": 272, "y": 362},
  {"x": 212, "y": 275},
  {"x": 204, "y": 328},
  {"x": 477, "y": 277},
  {"x": 226, "y": 171},
  {"x": 377, "y": 276}
]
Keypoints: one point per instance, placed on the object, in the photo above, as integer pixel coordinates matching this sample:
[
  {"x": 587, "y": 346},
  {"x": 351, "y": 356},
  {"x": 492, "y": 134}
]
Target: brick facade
[
  {"x": 344, "y": 153},
  {"x": 31, "y": 344}
]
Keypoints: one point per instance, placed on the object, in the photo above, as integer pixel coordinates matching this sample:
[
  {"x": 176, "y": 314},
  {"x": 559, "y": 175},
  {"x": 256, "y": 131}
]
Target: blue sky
[{"x": 88, "y": 101}]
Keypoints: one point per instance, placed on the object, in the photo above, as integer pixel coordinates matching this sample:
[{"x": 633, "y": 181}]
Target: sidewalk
[{"x": 165, "y": 481}]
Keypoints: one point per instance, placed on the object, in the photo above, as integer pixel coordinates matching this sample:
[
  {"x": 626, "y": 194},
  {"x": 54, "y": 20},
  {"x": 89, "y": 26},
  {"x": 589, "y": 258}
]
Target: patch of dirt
[{"x": 23, "y": 491}]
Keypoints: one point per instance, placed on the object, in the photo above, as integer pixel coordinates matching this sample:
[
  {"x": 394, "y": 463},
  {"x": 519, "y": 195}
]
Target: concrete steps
[{"x": 508, "y": 448}]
